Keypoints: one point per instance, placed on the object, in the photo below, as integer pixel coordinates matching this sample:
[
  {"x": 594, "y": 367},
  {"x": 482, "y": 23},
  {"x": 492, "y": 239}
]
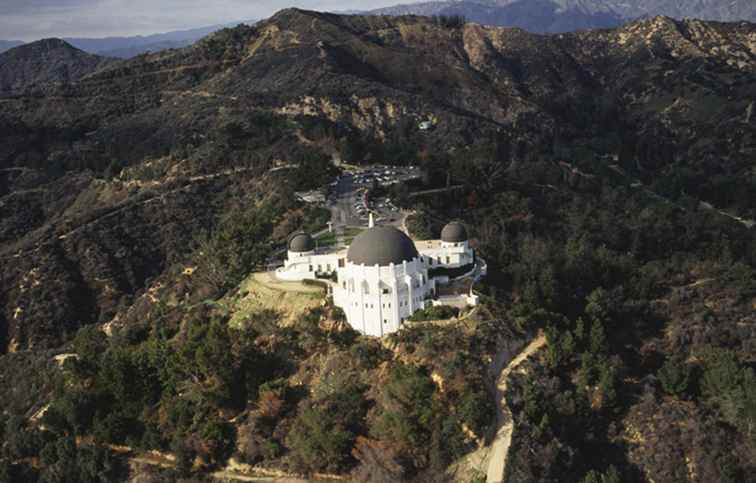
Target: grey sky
[{"x": 34, "y": 19}]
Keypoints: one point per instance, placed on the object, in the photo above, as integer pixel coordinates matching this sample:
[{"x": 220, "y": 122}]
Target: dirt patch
[{"x": 261, "y": 291}]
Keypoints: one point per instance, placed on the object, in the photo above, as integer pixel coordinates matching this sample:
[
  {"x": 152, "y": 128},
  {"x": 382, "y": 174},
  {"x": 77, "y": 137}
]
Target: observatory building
[{"x": 383, "y": 277}]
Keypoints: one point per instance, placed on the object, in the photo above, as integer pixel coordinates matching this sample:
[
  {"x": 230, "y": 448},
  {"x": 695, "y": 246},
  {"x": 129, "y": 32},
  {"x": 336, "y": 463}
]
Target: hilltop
[
  {"x": 606, "y": 175},
  {"x": 44, "y": 63}
]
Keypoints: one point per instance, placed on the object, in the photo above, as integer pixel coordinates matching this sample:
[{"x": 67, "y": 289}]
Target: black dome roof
[
  {"x": 381, "y": 245},
  {"x": 454, "y": 232},
  {"x": 301, "y": 242}
]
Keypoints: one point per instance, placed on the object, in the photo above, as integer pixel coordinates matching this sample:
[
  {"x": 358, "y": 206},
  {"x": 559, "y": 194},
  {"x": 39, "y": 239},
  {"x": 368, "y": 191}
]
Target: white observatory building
[
  {"x": 383, "y": 277},
  {"x": 384, "y": 281}
]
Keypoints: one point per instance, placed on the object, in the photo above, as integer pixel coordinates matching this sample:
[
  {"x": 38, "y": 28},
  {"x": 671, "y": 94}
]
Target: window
[
  {"x": 344, "y": 285},
  {"x": 447, "y": 260},
  {"x": 311, "y": 268},
  {"x": 320, "y": 268},
  {"x": 386, "y": 291},
  {"x": 328, "y": 267},
  {"x": 385, "y": 321}
]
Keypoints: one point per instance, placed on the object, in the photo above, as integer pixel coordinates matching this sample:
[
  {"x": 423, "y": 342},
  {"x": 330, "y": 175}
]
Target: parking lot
[{"x": 348, "y": 195}]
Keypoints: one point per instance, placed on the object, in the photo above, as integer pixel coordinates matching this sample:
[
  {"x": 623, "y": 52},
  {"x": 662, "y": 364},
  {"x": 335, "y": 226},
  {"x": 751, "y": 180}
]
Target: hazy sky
[{"x": 34, "y": 19}]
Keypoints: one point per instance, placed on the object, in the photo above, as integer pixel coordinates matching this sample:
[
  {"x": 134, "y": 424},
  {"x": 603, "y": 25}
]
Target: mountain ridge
[
  {"x": 125, "y": 47},
  {"x": 559, "y": 16},
  {"x": 44, "y": 62}
]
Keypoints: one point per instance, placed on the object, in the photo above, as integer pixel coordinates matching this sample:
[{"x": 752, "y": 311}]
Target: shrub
[
  {"x": 315, "y": 283},
  {"x": 217, "y": 440},
  {"x": 407, "y": 411},
  {"x": 611, "y": 475},
  {"x": 369, "y": 353},
  {"x": 450, "y": 21},
  {"x": 324, "y": 431},
  {"x": 435, "y": 312},
  {"x": 674, "y": 376},
  {"x": 317, "y": 444}
]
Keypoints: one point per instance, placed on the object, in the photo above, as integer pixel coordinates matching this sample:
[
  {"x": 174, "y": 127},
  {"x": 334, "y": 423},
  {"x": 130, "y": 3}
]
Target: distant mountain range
[
  {"x": 9, "y": 44},
  {"x": 539, "y": 16},
  {"x": 127, "y": 47},
  {"x": 553, "y": 16}
]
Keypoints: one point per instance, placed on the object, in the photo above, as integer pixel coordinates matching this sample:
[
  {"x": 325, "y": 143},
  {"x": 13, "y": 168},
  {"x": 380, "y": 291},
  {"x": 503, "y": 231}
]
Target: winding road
[{"x": 497, "y": 460}]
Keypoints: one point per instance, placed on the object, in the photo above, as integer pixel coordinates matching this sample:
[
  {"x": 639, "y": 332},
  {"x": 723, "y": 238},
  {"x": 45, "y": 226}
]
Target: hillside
[
  {"x": 44, "y": 63},
  {"x": 137, "y": 197},
  {"x": 569, "y": 15}
]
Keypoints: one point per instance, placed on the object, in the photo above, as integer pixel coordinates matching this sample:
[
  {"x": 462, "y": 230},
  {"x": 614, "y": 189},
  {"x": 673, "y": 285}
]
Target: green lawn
[{"x": 326, "y": 239}]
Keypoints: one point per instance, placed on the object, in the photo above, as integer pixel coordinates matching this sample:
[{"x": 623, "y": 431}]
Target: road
[
  {"x": 497, "y": 461},
  {"x": 701, "y": 204},
  {"x": 746, "y": 223}
]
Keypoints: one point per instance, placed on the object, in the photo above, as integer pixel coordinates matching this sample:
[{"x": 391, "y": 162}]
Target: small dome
[
  {"x": 381, "y": 245},
  {"x": 301, "y": 242},
  {"x": 454, "y": 232}
]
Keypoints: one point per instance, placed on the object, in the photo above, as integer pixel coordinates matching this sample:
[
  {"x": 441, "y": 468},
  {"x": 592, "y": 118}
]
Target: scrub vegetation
[{"x": 606, "y": 178}]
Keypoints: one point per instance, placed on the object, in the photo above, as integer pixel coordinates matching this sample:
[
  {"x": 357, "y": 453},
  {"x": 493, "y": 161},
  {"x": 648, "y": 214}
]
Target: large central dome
[{"x": 381, "y": 245}]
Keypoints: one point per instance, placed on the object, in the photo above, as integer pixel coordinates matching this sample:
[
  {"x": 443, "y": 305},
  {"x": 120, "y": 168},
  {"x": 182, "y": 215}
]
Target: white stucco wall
[
  {"x": 450, "y": 255},
  {"x": 301, "y": 266},
  {"x": 376, "y": 300}
]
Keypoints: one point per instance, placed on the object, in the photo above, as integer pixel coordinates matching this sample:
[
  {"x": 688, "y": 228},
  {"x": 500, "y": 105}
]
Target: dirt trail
[
  {"x": 743, "y": 221},
  {"x": 497, "y": 460}
]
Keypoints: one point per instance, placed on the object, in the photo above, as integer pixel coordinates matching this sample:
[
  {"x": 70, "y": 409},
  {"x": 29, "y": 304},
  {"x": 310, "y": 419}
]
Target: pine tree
[
  {"x": 598, "y": 342},
  {"x": 674, "y": 376}
]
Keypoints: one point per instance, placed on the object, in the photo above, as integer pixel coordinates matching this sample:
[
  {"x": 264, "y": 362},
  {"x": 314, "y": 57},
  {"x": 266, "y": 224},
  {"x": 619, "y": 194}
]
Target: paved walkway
[
  {"x": 497, "y": 461},
  {"x": 269, "y": 280}
]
